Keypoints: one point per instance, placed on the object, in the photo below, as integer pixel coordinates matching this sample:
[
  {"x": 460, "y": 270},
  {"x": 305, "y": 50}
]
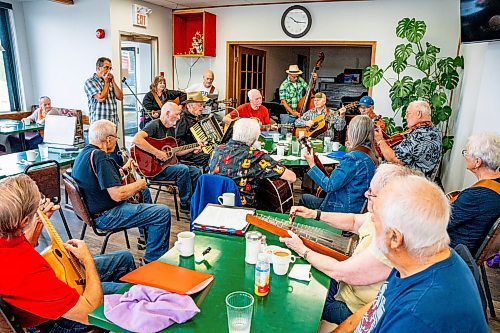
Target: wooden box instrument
[
  {"x": 317, "y": 239},
  {"x": 67, "y": 267},
  {"x": 275, "y": 195},
  {"x": 207, "y": 131}
]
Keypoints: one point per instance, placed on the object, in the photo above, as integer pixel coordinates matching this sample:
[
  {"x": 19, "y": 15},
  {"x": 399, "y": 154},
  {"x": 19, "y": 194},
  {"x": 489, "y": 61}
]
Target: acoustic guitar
[
  {"x": 130, "y": 176},
  {"x": 274, "y": 195},
  {"x": 149, "y": 165},
  {"x": 67, "y": 267}
]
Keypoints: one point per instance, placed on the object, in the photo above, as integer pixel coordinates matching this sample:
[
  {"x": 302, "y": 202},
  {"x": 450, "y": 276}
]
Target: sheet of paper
[
  {"x": 223, "y": 217},
  {"x": 327, "y": 160}
]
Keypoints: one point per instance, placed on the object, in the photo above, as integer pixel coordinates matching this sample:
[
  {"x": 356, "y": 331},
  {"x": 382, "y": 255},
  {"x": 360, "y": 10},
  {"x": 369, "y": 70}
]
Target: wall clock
[{"x": 296, "y": 21}]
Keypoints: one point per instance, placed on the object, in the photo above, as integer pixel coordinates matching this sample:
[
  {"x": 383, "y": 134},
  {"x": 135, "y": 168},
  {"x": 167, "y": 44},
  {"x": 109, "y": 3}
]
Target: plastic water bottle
[{"x": 262, "y": 274}]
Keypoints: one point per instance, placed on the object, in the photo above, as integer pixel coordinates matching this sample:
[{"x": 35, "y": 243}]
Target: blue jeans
[
  {"x": 185, "y": 176},
  {"x": 110, "y": 267},
  {"x": 152, "y": 217},
  {"x": 334, "y": 311},
  {"x": 286, "y": 119},
  {"x": 310, "y": 201}
]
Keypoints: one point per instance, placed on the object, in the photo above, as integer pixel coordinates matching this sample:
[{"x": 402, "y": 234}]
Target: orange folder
[{"x": 169, "y": 277}]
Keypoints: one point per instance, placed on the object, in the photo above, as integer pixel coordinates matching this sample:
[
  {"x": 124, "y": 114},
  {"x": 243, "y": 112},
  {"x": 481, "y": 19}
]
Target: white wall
[
  {"x": 63, "y": 48},
  {"x": 337, "y": 21},
  {"x": 477, "y": 109}
]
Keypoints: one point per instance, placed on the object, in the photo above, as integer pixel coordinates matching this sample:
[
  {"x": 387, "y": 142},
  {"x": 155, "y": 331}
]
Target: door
[{"x": 250, "y": 72}]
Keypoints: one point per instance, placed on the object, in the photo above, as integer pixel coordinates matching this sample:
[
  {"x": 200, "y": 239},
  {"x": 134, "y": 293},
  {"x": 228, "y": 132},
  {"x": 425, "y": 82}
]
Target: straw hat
[
  {"x": 293, "y": 69},
  {"x": 195, "y": 97}
]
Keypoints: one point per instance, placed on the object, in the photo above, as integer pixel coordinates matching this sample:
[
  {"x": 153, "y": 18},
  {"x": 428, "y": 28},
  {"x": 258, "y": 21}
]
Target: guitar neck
[
  {"x": 54, "y": 236},
  {"x": 317, "y": 161},
  {"x": 185, "y": 147}
]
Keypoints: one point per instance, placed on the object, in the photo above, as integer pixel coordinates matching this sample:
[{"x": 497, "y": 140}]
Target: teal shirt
[{"x": 293, "y": 92}]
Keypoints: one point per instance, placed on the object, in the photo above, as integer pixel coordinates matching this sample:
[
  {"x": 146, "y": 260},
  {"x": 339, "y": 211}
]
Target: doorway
[{"x": 139, "y": 63}]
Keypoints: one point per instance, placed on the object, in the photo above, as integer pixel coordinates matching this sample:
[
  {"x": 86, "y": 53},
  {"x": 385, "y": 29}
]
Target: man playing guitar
[
  {"x": 253, "y": 109},
  {"x": 186, "y": 176}
]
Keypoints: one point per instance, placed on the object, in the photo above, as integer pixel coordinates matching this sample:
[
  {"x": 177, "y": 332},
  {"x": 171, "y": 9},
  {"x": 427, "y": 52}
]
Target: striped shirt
[
  {"x": 334, "y": 121},
  {"x": 101, "y": 110},
  {"x": 293, "y": 92}
]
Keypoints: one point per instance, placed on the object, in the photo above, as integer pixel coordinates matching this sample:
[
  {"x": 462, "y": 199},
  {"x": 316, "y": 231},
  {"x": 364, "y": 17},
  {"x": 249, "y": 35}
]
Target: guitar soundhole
[
  {"x": 168, "y": 150},
  {"x": 58, "y": 253}
]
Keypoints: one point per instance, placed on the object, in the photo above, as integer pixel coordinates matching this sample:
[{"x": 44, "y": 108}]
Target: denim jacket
[{"x": 347, "y": 184}]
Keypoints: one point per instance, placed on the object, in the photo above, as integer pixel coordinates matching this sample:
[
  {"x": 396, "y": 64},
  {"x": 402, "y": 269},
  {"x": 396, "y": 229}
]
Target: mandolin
[
  {"x": 306, "y": 102},
  {"x": 148, "y": 164},
  {"x": 305, "y": 142},
  {"x": 66, "y": 266},
  {"x": 130, "y": 176}
]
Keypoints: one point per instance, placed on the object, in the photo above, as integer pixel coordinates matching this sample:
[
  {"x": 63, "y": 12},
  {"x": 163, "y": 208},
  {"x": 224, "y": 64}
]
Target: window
[{"x": 9, "y": 92}]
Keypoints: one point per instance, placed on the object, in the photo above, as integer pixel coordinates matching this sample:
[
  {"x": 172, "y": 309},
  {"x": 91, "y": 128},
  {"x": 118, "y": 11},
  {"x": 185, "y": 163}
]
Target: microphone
[{"x": 124, "y": 79}]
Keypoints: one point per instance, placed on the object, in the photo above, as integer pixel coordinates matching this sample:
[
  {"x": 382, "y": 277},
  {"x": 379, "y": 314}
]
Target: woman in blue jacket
[{"x": 349, "y": 181}]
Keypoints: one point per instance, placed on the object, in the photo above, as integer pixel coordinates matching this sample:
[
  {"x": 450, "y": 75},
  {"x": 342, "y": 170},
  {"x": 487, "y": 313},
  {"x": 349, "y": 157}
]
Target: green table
[
  {"x": 9, "y": 165},
  {"x": 9, "y": 126},
  {"x": 290, "y": 306}
]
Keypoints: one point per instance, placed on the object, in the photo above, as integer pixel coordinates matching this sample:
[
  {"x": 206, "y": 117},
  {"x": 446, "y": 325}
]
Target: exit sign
[{"x": 140, "y": 15}]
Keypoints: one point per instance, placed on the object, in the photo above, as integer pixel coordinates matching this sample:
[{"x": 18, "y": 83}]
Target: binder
[{"x": 169, "y": 277}]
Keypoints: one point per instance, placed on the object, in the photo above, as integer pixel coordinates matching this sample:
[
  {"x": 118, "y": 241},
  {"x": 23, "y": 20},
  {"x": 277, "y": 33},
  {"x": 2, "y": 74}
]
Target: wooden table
[
  {"x": 290, "y": 306},
  {"x": 10, "y": 166},
  {"x": 10, "y": 126}
]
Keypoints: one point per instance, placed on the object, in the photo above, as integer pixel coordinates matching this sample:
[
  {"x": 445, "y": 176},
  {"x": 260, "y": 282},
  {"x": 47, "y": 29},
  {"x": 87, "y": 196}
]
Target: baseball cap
[
  {"x": 366, "y": 101},
  {"x": 320, "y": 95}
]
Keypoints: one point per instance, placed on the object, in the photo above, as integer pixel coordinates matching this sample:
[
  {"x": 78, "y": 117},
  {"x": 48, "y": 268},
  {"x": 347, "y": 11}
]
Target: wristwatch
[
  {"x": 318, "y": 214},
  {"x": 306, "y": 252}
]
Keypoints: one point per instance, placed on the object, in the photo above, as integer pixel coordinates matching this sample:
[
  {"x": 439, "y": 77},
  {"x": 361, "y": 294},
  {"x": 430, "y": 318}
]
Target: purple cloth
[{"x": 147, "y": 309}]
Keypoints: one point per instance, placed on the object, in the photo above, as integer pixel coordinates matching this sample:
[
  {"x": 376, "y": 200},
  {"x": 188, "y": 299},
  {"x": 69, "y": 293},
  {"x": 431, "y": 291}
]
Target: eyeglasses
[
  {"x": 108, "y": 68},
  {"x": 114, "y": 136},
  {"x": 369, "y": 193},
  {"x": 465, "y": 153}
]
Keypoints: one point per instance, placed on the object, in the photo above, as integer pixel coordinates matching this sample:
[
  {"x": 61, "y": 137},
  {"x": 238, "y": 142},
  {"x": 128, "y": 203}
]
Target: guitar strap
[
  {"x": 157, "y": 99},
  {"x": 212, "y": 89},
  {"x": 368, "y": 152},
  {"x": 486, "y": 183}
]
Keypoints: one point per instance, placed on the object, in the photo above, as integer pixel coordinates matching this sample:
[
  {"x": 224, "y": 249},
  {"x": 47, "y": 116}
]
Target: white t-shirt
[{"x": 204, "y": 91}]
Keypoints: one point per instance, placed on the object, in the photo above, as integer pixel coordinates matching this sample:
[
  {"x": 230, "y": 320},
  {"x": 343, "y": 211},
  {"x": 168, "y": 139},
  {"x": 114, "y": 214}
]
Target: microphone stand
[{"x": 144, "y": 110}]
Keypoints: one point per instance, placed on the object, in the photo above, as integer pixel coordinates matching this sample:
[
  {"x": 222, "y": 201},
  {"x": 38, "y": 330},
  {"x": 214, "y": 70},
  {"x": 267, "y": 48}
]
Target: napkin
[{"x": 301, "y": 272}]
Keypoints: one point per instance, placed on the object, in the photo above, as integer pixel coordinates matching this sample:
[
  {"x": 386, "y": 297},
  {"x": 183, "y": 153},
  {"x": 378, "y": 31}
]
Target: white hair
[
  {"x": 45, "y": 97},
  {"x": 251, "y": 92},
  {"x": 100, "y": 130},
  {"x": 422, "y": 106},
  {"x": 360, "y": 131},
  {"x": 485, "y": 146},
  {"x": 387, "y": 172},
  {"x": 420, "y": 211},
  {"x": 246, "y": 130}
]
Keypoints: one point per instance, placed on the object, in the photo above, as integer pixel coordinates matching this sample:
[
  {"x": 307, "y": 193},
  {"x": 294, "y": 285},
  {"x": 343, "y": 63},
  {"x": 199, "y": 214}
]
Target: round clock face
[{"x": 296, "y": 21}]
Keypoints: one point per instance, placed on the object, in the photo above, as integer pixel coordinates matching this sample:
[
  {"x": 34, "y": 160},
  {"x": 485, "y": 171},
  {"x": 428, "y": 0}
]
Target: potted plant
[{"x": 434, "y": 77}]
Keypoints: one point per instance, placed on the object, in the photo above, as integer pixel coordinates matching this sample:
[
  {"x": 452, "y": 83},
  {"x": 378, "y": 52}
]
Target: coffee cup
[
  {"x": 276, "y": 137},
  {"x": 281, "y": 259},
  {"x": 185, "y": 243},
  {"x": 335, "y": 146},
  {"x": 280, "y": 149},
  {"x": 26, "y": 121},
  {"x": 227, "y": 199},
  {"x": 44, "y": 150},
  {"x": 31, "y": 155}
]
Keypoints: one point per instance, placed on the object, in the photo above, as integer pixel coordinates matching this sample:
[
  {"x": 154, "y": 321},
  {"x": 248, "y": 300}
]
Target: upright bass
[{"x": 307, "y": 102}]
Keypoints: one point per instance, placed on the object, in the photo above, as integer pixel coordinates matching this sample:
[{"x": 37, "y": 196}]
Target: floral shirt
[
  {"x": 420, "y": 149},
  {"x": 293, "y": 92},
  {"x": 245, "y": 165}
]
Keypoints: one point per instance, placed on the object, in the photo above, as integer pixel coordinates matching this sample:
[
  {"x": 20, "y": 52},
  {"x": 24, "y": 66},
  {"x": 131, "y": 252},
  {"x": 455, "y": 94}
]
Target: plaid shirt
[
  {"x": 334, "y": 122},
  {"x": 293, "y": 92},
  {"x": 101, "y": 110}
]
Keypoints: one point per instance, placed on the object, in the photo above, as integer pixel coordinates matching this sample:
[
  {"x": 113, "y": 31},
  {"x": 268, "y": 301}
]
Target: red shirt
[
  {"x": 246, "y": 111},
  {"x": 30, "y": 286}
]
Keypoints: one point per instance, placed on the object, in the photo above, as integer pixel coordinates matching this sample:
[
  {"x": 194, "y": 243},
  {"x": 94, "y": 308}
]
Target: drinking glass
[
  {"x": 295, "y": 147},
  {"x": 239, "y": 305}
]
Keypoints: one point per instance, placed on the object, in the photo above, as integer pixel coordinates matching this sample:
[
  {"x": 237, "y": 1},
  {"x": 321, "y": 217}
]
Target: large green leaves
[
  {"x": 446, "y": 65},
  {"x": 403, "y": 52},
  {"x": 411, "y": 29},
  {"x": 401, "y": 88},
  {"x": 422, "y": 87},
  {"x": 441, "y": 114},
  {"x": 399, "y": 65},
  {"x": 450, "y": 80},
  {"x": 372, "y": 75},
  {"x": 447, "y": 143},
  {"x": 439, "y": 99},
  {"x": 425, "y": 59}
]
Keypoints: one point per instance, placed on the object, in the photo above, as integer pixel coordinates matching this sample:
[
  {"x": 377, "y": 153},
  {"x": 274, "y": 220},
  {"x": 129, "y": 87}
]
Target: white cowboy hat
[{"x": 293, "y": 69}]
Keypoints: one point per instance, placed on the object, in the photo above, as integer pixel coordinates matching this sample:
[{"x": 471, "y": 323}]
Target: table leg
[{"x": 22, "y": 137}]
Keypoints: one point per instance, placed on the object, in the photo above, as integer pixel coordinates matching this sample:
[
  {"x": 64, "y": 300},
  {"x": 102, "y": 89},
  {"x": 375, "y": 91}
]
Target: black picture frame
[{"x": 309, "y": 21}]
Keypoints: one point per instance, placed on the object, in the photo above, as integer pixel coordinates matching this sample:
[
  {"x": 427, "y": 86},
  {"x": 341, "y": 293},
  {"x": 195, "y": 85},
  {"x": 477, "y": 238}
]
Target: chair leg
[
  {"x": 65, "y": 224},
  {"x": 487, "y": 291},
  {"x": 84, "y": 228},
  {"x": 105, "y": 243},
  {"x": 176, "y": 206},
  {"x": 157, "y": 194},
  {"x": 126, "y": 239}
]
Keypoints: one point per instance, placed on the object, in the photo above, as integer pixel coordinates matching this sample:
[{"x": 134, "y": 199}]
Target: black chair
[
  {"x": 486, "y": 251},
  {"x": 82, "y": 212},
  {"x": 8, "y": 323},
  {"x": 464, "y": 252},
  {"x": 167, "y": 186},
  {"x": 47, "y": 176}
]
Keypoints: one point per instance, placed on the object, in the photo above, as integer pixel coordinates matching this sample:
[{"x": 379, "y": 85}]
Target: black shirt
[
  {"x": 150, "y": 103},
  {"x": 156, "y": 130},
  {"x": 94, "y": 185},
  {"x": 182, "y": 131}
]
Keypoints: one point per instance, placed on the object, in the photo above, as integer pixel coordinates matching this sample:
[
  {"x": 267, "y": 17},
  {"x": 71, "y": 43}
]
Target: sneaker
[
  {"x": 141, "y": 243},
  {"x": 185, "y": 209},
  {"x": 142, "y": 262}
]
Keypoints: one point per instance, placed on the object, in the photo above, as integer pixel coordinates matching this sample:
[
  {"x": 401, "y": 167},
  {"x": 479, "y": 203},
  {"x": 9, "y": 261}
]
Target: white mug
[
  {"x": 281, "y": 260},
  {"x": 276, "y": 137},
  {"x": 227, "y": 199},
  {"x": 335, "y": 146},
  {"x": 31, "y": 155},
  {"x": 185, "y": 243},
  {"x": 44, "y": 150},
  {"x": 26, "y": 121},
  {"x": 257, "y": 144},
  {"x": 280, "y": 149}
]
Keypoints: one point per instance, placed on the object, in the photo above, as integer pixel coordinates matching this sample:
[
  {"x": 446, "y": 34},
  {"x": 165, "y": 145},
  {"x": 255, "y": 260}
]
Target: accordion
[{"x": 207, "y": 130}]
